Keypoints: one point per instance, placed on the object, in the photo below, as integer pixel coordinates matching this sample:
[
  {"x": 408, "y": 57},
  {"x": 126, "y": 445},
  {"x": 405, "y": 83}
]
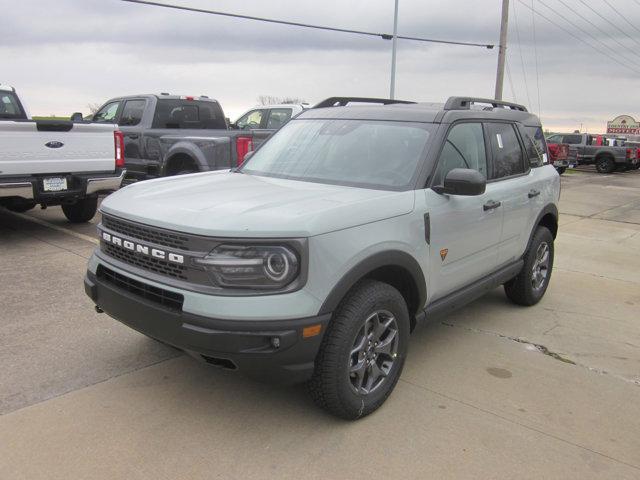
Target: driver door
[{"x": 464, "y": 230}]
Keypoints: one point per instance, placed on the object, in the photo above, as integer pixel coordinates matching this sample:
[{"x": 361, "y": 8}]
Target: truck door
[
  {"x": 129, "y": 122},
  {"x": 464, "y": 230},
  {"x": 255, "y": 121}
]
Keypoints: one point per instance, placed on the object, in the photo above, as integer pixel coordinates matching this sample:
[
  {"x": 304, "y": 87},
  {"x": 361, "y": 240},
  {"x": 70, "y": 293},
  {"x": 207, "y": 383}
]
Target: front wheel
[
  {"x": 531, "y": 283},
  {"x": 362, "y": 352},
  {"x": 82, "y": 211},
  {"x": 561, "y": 170}
]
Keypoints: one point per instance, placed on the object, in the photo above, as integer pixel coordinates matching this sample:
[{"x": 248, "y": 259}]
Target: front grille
[
  {"x": 146, "y": 234},
  {"x": 157, "y": 295},
  {"x": 151, "y": 264}
]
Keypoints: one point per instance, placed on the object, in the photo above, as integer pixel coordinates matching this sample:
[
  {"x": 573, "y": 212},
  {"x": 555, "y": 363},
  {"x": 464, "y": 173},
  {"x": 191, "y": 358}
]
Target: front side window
[
  {"x": 107, "y": 114},
  {"x": 278, "y": 117},
  {"x": 360, "y": 153},
  {"x": 132, "y": 112},
  {"x": 9, "y": 106},
  {"x": 463, "y": 148},
  {"x": 508, "y": 159},
  {"x": 250, "y": 120}
]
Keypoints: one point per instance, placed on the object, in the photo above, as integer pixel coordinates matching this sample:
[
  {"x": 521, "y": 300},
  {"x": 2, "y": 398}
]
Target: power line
[
  {"x": 524, "y": 74},
  {"x": 589, "y": 34},
  {"x": 617, "y": 27},
  {"x": 384, "y": 36},
  {"x": 622, "y": 16},
  {"x": 535, "y": 51},
  {"x": 599, "y": 29},
  {"x": 578, "y": 38}
]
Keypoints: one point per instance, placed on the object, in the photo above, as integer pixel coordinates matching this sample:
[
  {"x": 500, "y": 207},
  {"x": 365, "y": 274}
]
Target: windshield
[
  {"x": 360, "y": 153},
  {"x": 9, "y": 106}
]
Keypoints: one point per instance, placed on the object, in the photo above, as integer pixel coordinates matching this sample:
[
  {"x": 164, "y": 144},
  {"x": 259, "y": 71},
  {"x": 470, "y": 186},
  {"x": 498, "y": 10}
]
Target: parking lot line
[{"x": 44, "y": 223}]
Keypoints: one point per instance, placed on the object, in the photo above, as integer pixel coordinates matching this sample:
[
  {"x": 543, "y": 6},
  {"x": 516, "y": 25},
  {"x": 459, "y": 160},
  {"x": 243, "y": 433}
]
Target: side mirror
[
  {"x": 462, "y": 181},
  {"x": 76, "y": 117}
]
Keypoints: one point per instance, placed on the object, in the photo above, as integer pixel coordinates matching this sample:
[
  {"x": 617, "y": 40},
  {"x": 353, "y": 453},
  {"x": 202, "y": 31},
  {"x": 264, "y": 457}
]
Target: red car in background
[{"x": 559, "y": 157}]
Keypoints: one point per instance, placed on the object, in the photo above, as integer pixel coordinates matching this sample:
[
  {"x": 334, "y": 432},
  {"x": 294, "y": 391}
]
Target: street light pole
[
  {"x": 502, "y": 49},
  {"x": 392, "y": 88}
]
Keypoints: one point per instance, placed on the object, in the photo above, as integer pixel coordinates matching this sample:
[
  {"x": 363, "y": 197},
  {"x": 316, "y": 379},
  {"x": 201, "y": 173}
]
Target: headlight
[{"x": 251, "y": 266}]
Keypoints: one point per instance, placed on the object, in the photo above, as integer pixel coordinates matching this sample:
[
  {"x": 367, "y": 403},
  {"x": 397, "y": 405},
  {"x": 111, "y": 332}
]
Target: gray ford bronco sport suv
[{"x": 314, "y": 260}]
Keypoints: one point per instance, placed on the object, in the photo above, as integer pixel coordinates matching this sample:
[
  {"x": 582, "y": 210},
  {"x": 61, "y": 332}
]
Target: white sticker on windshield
[{"x": 499, "y": 137}]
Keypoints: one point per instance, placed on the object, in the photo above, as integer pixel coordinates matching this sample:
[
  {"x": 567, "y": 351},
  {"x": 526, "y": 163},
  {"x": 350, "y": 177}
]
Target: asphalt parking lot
[{"x": 492, "y": 391}]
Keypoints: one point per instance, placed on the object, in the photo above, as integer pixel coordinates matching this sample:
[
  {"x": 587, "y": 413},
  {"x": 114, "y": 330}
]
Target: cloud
[{"x": 62, "y": 55}]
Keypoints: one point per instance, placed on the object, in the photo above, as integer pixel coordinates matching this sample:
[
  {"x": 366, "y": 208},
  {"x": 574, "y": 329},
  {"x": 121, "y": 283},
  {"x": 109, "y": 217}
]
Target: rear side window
[
  {"x": 188, "y": 114},
  {"x": 535, "y": 146},
  {"x": 132, "y": 112},
  {"x": 508, "y": 159},
  {"x": 572, "y": 139},
  {"x": 107, "y": 114},
  {"x": 278, "y": 117},
  {"x": 463, "y": 148},
  {"x": 9, "y": 106}
]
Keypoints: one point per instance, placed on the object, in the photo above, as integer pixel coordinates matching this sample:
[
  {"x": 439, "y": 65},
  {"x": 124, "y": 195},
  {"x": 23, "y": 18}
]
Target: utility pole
[
  {"x": 392, "y": 88},
  {"x": 502, "y": 49}
]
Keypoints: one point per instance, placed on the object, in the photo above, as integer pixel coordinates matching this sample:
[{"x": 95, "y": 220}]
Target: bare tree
[
  {"x": 273, "y": 100},
  {"x": 93, "y": 107}
]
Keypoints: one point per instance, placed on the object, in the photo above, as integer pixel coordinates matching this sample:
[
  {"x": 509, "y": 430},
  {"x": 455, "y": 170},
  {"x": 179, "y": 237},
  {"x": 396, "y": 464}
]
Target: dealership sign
[{"x": 623, "y": 124}]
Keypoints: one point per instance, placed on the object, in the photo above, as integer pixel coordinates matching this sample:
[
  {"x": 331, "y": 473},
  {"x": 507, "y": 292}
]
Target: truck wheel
[
  {"x": 82, "y": 211},
  {"x": 21, "y": 206},
  {"x": 636, "y": 166},
  {"x": 362, "y": 352},
  {"x": 561, "y": 170},
  {"x": 605, "y": 164},
  {"x": 532, "y": 281}
]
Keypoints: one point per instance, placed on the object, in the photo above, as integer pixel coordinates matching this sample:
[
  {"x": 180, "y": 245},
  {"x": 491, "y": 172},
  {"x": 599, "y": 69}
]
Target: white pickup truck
[{"x": 52, "y": 162}]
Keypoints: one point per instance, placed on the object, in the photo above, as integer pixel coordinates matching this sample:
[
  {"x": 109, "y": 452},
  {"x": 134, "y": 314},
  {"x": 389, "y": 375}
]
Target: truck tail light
[
  {"x": 118, "y": 139},
  {"x": 638, "y": 153},
  {"x": 629, "y": 153},
  {"x": 243, "y": 146}
]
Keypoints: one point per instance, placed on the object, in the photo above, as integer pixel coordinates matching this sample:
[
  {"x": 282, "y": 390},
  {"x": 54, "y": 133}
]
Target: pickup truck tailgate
[{"x": 33, "y": 147}]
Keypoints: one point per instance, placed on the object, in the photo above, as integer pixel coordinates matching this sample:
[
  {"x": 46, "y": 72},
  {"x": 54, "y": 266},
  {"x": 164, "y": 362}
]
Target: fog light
[{"x": 275, "y": 342}]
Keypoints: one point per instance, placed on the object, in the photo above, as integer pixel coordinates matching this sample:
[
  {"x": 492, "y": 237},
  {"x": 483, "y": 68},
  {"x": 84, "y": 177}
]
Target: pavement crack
[{"x": 545, "y": 351}]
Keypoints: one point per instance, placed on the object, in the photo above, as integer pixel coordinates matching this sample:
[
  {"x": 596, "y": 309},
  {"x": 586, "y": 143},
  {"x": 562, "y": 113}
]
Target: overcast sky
[{"x": 62, "y": 55}]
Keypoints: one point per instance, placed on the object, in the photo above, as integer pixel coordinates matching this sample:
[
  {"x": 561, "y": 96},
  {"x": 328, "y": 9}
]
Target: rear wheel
[
  {"x": 605, "y": 164},
  {"x": 82, "y": 211},
  {"x": 531, "y": 283},
  {"x": 363, "y": 351}
]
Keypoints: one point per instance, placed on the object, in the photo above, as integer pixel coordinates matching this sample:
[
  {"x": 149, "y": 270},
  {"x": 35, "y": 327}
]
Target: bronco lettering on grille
[{"x": 143, "y": 249}]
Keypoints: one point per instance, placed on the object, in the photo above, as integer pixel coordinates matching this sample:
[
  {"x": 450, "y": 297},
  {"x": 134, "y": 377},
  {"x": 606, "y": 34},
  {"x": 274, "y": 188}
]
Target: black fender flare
[
  {"x": 549, "y": 208},
  {"x": 386, "y": 258}
]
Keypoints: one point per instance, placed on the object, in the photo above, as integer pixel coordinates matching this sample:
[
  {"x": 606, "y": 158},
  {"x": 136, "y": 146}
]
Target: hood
[{"x": 229, "y": 204}]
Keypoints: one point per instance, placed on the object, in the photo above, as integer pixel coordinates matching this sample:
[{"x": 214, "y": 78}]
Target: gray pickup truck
[
  {"x": 172, "y": 135},
  {"x": 585, "y": 149}
]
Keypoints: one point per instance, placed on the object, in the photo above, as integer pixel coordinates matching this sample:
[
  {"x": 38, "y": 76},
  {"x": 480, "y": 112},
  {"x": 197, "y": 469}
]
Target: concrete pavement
[{"x": 492, "y": 391}]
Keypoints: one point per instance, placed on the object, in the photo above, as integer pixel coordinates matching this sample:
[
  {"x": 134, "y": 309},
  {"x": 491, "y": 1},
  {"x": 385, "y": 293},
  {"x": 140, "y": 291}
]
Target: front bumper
[
  {"x": 249, "y": 346},
  {"x": 79, "y": 186}
]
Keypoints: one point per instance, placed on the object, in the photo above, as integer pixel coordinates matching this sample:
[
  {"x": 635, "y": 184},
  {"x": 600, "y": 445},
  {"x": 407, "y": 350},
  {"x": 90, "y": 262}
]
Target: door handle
[
  {"x": 534, "y": 193},
  {"x": 490, "y": 205},
  {"x": 133, "y": 136}
]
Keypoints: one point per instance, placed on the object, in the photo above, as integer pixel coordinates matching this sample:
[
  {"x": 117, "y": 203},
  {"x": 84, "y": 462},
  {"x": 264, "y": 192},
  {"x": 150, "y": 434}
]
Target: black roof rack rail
[
  {"x": 342, "y": 101},
  {"x": 464, "y": 103}
]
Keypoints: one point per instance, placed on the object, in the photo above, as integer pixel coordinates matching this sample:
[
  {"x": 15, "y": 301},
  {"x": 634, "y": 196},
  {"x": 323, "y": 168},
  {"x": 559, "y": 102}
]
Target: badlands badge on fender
[{"x": 443, "y": 253}]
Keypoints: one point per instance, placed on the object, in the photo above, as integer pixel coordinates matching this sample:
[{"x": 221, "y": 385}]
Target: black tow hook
[{"x": 98, "y": 309}]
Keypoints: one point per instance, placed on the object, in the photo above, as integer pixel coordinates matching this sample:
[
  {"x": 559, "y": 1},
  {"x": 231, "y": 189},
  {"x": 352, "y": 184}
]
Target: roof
[{"x": 456, "y": 108}]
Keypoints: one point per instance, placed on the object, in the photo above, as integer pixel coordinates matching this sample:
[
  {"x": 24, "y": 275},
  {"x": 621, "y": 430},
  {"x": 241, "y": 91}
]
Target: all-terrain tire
[
  {"x": 521, "y": 289},
  {"x": 82, "y": 211},
  {"x": 331, "y": 386},
  {"x": 605, "y": 164}
]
